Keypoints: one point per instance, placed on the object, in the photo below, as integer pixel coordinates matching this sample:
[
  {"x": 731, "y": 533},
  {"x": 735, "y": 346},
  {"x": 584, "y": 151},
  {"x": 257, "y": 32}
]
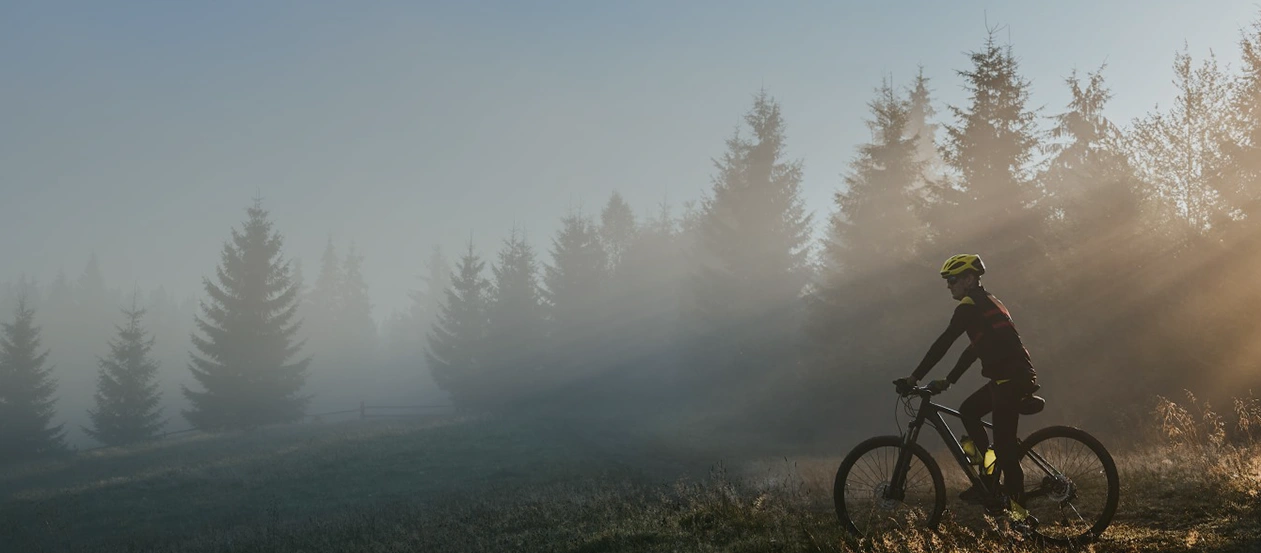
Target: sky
[{"x": 140, "y": 131}]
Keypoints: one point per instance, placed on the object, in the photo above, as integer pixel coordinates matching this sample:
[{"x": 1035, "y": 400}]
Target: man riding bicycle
[{"x": 1004, "y": 361}]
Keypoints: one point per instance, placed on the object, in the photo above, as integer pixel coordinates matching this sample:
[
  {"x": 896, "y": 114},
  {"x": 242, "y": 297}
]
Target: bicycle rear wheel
[
  {"x": 1071, "y": 484},
  {"x": 865, "y": 502}
]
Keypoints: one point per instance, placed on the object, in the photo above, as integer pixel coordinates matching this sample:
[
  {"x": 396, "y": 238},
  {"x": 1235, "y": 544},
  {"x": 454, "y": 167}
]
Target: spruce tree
[
  {"x": 1090, "y": 183},
  {"x": 992, "y": 205},
  {"x": 921, "y": 128},
  {"x": 355, "y": 312},
  {"x": 27, "y": 404},
  {"x": 245, "y": 360},
  {"x": 425, "y": 307},
  {"x": 617, "y": 229},
  {"x": 752, "y": 247},
  {"x": 127, "y": 397},
  {"x": 427, "y": 303},
  {"x": 457, "y": 339},
  {"x": 322, "y": 307},
  {"x": 576, "y": 294},
  {"x": 648, "y": 294},
  {"x": 516, "y": 330},
  {"x": 875, "y": 228},
  {"x": 868, "y": 258}
]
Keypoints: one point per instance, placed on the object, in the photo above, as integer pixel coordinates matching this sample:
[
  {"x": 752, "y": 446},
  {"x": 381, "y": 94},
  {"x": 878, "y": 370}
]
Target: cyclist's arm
[
  {"x": 968, "y": 357},
  {"x": 958, "y": 324}
]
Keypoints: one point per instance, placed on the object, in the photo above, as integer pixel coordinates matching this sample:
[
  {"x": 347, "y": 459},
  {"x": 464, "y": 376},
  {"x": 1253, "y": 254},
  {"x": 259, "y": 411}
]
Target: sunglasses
[{"x": 951, "y": 280}]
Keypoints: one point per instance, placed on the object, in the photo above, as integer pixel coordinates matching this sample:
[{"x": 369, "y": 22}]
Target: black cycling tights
[{"x": 1004, "y": 401}]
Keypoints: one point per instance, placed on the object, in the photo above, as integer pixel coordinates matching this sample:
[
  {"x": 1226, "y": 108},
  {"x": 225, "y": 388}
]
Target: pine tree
[
  {"x": 127, "y": 397},
  {"x": 27, "y": 404},
  {"x": 868, "y": 258},
  {"x": 647, "y": 296},
  {"x": 922, "y": 130},
  {"x": 1089, "y": 180},
  {"x": 617, "y": 229},
  {"x": 457, "y": 339},
  {"x": 516, "y": 330},
  {"x": 426, "y": 303},
  {"x": 993, "y": 205},
  {"x": 322, "y": 306},
  {"x": 355, "y": 311},
  {"x": 875, "y": 228},
  {"x": 576, "y": 288},
  {"x": 245, "y": 366},
  {"x": 752, "y": 247}
]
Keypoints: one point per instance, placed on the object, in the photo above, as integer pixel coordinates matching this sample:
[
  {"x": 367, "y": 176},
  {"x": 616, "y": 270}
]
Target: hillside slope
[{"x": 493, "y": 485}]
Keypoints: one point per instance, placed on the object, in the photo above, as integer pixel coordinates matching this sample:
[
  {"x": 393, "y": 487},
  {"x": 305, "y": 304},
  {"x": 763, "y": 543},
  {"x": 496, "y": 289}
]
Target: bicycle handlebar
[{"x": 922, "y": 391}]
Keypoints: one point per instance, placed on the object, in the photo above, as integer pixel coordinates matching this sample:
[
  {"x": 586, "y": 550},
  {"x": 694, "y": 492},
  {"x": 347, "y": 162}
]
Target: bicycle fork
[{"x": 897, "y": 482}]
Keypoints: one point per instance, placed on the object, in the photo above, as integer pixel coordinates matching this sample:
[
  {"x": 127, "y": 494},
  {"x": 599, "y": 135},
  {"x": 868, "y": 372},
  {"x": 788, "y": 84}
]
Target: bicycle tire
[
  {"x": 1083, "y": 480},
  {"x": 859, "y": 482}
]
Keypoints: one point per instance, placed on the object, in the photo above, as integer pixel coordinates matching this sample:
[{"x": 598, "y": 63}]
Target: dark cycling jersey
[{"x": 994, "y": 341}]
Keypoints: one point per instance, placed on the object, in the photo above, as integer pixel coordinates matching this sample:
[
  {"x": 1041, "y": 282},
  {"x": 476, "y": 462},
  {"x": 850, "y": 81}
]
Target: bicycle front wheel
[
  {"x": 1071, "y": 484},
  {"x": 866, "y": 501}
]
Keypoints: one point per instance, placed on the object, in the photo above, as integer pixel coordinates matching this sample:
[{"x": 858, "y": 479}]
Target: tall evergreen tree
[
  {"x": 457, "y": 339},
  {"x": 868, "y": 258},
  {"x": 322, "y": 305},
  {"x": 127, "y": 397},
  {"x": 427, "y": 302},
  {"x": 516, "y": 330},
  {"x": 27, "y": 404},
  {"x": 921, "y": 128},
  {"x": 875, "y": 228},
  {"x": 576, "y": 294},
  {"x": 752, "y": 247},
  {"x": 617, "y": 229},
  {"x": 993, "y": 206},
  {"x": 1088, "y": 177},
  {"x": 355, "y": 311},
  {"x": 245, "y": 365},
  {"x": 647, "y": 299}
]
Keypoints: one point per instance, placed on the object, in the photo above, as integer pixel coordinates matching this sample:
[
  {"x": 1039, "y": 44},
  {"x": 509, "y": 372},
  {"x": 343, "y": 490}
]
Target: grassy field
[{"x": 482, "y": 484}]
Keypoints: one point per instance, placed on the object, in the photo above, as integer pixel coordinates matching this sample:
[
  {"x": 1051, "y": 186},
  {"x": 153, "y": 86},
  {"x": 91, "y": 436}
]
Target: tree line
[{"x": 1126, "y": 251}]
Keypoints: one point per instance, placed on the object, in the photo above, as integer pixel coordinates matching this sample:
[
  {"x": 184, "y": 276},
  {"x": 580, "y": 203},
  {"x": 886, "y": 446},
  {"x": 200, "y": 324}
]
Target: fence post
[{"x": 362, "y": 414}]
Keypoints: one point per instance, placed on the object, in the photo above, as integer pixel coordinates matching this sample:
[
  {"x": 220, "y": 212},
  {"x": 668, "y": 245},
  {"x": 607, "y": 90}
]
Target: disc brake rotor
[{"x": 879, "y": 496}]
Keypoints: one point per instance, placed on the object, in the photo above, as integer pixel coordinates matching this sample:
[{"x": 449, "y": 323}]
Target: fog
[{"x": 136, "y": 135}]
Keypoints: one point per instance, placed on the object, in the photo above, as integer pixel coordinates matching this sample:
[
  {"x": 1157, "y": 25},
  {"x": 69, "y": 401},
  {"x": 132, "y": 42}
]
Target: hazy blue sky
[{"x": 141, "y": 130}]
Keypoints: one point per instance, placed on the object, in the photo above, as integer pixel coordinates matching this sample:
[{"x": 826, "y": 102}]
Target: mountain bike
[{"x": 1071, "y": 483}]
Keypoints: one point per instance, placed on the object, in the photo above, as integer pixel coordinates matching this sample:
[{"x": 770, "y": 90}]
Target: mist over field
[{"x": 342, "y": 265}]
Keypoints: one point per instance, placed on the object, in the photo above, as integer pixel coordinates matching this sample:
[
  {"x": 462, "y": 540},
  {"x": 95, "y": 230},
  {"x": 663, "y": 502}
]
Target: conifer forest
[{"x": 677, "y": 363}]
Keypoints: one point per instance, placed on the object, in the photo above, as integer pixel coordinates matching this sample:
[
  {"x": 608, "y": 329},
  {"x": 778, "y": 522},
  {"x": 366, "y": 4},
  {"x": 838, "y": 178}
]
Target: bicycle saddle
[{"x": 1031, "y": 404}]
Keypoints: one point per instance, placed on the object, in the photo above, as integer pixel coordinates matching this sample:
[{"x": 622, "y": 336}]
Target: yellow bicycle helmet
[{"x": 962, "y": 263}]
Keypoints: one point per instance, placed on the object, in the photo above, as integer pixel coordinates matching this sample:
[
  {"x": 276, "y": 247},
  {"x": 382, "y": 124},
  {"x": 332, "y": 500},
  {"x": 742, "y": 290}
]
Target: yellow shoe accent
[{"x": 1016, "y": 512}]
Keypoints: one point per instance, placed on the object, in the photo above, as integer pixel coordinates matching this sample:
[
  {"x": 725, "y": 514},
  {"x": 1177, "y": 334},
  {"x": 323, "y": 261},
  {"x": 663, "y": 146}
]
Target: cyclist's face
[{"x": 958, "y": 286}]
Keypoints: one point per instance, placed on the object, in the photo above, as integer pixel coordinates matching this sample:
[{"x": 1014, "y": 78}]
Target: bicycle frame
[{"x": 931, "y": 413}]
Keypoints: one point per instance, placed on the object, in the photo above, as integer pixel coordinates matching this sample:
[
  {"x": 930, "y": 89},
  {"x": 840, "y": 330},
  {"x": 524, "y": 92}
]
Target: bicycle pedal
[{"x": 1026, "y": 527}]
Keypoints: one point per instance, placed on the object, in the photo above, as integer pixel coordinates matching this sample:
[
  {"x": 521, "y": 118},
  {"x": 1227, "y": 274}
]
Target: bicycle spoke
[
  {"x": 867, "y": 489},
  {"x": 1068, "y": 489}
]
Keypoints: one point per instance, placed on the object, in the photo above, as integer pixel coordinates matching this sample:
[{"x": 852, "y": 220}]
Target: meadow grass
[{"x": 486, "y": 484}]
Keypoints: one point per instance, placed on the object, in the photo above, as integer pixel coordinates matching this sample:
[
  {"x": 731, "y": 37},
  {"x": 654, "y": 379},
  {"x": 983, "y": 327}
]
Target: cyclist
[{"x": 1004, "y": 361}]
